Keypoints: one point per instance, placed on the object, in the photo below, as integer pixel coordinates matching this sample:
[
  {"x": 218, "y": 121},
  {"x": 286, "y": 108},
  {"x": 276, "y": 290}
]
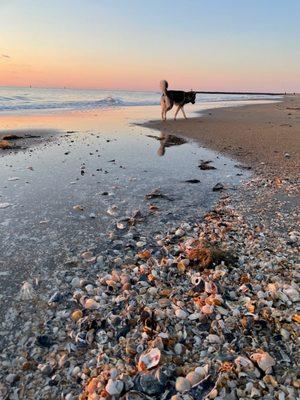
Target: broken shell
[
  {"x": 149, "y": 359},
  {"x": 180, "y": 313},
  {"x": 113, "y": 387},
  {"x": 263, "y": 360}
]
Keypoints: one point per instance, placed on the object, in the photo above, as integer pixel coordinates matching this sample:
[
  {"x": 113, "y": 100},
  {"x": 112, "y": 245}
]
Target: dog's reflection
[
  {"x": 166, "y": 140},
  {"x": 163, "y": 144}
]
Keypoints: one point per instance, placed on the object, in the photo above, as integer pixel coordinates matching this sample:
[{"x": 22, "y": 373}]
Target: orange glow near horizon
[{"x": 110, "y": 45}]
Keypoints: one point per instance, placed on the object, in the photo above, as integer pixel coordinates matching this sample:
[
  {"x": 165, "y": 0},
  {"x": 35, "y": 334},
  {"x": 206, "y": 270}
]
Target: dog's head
[{"x": 191, "y": 97}]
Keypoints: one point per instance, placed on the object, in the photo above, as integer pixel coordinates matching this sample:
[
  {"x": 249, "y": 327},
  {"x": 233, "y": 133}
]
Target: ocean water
[{"x": 36, "y": 100}]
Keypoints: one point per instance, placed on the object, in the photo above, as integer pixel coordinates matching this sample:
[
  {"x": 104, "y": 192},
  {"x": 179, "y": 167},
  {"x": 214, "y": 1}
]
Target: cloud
[{"x": 5, "y": 56}]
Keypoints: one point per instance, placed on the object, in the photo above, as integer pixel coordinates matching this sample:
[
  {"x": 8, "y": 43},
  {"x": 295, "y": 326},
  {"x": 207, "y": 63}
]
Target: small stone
[{"x": 182, "y": 384}]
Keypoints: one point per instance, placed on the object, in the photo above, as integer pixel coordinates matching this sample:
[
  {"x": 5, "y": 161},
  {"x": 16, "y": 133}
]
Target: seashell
[
  {"x": 89, "y": 288},
  {"x": 86, "y": 255},
  {"x": 214, "y": 339},
  {"x": 4, "y": 205},
  {"x": 76, "y": 315},
  {"x": 181, "y": 266},
  {"x": 75, "y": 282},
  {"x": 202, "y": 371},
  {"x": 134, "y": 395},
  {"x": 182, "y": 384},
  {"x": 211, "y": 288},
  {"x": 181, "y": 313},
  {"x": 78, "y": 207},
  {"x": 91, "y": 304},
  {"x": 92, "y": 386},
  {"x": 270, "y": 380},
  {"x": 292, "y": 293},
  {"x": 27, "y": 291},
  {"x": 149, "y": 359},
  {"x": 80, "y": 339},
  {"x": 179, "y": 232},
  {"x": 150, "y": 385},
  {"x": 101, "y": 337},
  {"x": 121, "y": 225},
  {"x": 263, "y": 360},
  {"x": 55, "y": 298},
  {"x": 113, "y": 387},
  {"x": 144, "y": 255},
  {"x": 207, "y": 309},
  {"x": 194, "y": 378},
  {"x": 296, "y": 318},
  {"x": 112, "y": 210}
]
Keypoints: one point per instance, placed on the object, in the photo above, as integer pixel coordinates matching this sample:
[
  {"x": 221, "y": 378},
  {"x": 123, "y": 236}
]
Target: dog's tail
[{"x": 164, "y": 86}]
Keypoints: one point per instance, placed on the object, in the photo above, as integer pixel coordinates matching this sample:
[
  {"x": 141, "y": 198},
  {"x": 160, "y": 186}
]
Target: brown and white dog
[{"x": 177, "y": 97}]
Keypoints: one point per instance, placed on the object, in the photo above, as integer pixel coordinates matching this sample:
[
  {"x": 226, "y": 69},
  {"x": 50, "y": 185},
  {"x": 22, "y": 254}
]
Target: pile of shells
[{"x": 208, "y": 310}]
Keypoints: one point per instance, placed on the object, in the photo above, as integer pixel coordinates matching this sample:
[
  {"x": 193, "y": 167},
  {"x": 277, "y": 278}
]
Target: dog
[{"x": 177, "y": 97}]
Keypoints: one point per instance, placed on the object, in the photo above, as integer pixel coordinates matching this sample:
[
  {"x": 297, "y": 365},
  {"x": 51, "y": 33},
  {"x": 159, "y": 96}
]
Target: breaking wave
[{"x": 26, "y": 100}]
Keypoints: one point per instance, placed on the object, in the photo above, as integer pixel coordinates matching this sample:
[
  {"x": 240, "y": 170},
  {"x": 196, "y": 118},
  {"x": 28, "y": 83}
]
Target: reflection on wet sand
[{"x": 167, "y": 140}]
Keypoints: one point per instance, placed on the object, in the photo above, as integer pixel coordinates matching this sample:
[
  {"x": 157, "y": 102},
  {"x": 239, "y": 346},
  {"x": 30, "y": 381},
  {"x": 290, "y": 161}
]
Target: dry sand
[{"x": 264, "y": 136}]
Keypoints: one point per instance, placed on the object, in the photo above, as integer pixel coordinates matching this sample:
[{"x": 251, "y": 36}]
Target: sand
[{"x": 263, "y": 136}]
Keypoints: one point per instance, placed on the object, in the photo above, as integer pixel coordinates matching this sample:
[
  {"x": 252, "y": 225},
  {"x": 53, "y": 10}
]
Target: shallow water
[{"x": 40, "y": 229}]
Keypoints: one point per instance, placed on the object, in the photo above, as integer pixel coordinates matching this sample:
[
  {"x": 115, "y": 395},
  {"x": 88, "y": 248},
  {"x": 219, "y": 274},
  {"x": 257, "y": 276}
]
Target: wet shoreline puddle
[{"x": 83, "y": 190}]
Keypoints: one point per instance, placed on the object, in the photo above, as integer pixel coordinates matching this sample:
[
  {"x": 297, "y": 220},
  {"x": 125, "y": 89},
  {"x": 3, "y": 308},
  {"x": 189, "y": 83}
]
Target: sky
[{"x": 133, "y": 44}]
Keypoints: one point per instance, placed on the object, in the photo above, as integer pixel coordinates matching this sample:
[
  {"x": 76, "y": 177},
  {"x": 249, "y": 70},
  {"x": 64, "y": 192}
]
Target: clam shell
[{"x": 149, "y": 359}]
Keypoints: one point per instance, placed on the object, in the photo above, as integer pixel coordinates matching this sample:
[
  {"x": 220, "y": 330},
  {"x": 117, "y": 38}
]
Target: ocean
[{"x": 14, "y": 100}]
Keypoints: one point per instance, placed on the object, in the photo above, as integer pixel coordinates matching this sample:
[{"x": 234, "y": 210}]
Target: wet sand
[
  {"x": 55, "y": 327},
  {"x": 264, "y": 136}
]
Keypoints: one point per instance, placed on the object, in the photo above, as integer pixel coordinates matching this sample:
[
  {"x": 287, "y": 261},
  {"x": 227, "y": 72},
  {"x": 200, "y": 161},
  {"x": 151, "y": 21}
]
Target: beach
[
  {"x": 263, "y": 136},
  {"x": 147, "y": 275}
]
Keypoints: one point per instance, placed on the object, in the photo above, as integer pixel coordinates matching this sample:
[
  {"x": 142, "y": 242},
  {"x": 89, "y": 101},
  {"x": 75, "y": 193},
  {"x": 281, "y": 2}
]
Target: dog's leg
[
  {"x": 183, "y": 112},
  {"x": 178, "y": 108}
]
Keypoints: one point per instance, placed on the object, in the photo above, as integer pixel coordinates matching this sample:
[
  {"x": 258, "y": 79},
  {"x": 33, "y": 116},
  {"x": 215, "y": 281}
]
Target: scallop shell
[{"x": 27, "y": 291}]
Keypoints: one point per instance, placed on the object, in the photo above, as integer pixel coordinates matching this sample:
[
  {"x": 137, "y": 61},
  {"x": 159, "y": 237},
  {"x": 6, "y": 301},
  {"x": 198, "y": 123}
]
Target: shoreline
[
  {"x": 271, "y": 143},
  {"x": 227, "y": 325}
]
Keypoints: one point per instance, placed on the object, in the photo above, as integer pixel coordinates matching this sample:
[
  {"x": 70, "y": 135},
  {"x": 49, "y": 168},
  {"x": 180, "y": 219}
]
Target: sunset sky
[{"x": 132, "y": 44}]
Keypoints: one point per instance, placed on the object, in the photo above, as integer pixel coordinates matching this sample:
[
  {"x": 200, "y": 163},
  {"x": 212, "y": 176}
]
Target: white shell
[
  {"x": 114, "y": 387},
  {"x": 150, "y": 359},
  {"x": 180, "y": 313},
  {"x": 27, "y": 292}
]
